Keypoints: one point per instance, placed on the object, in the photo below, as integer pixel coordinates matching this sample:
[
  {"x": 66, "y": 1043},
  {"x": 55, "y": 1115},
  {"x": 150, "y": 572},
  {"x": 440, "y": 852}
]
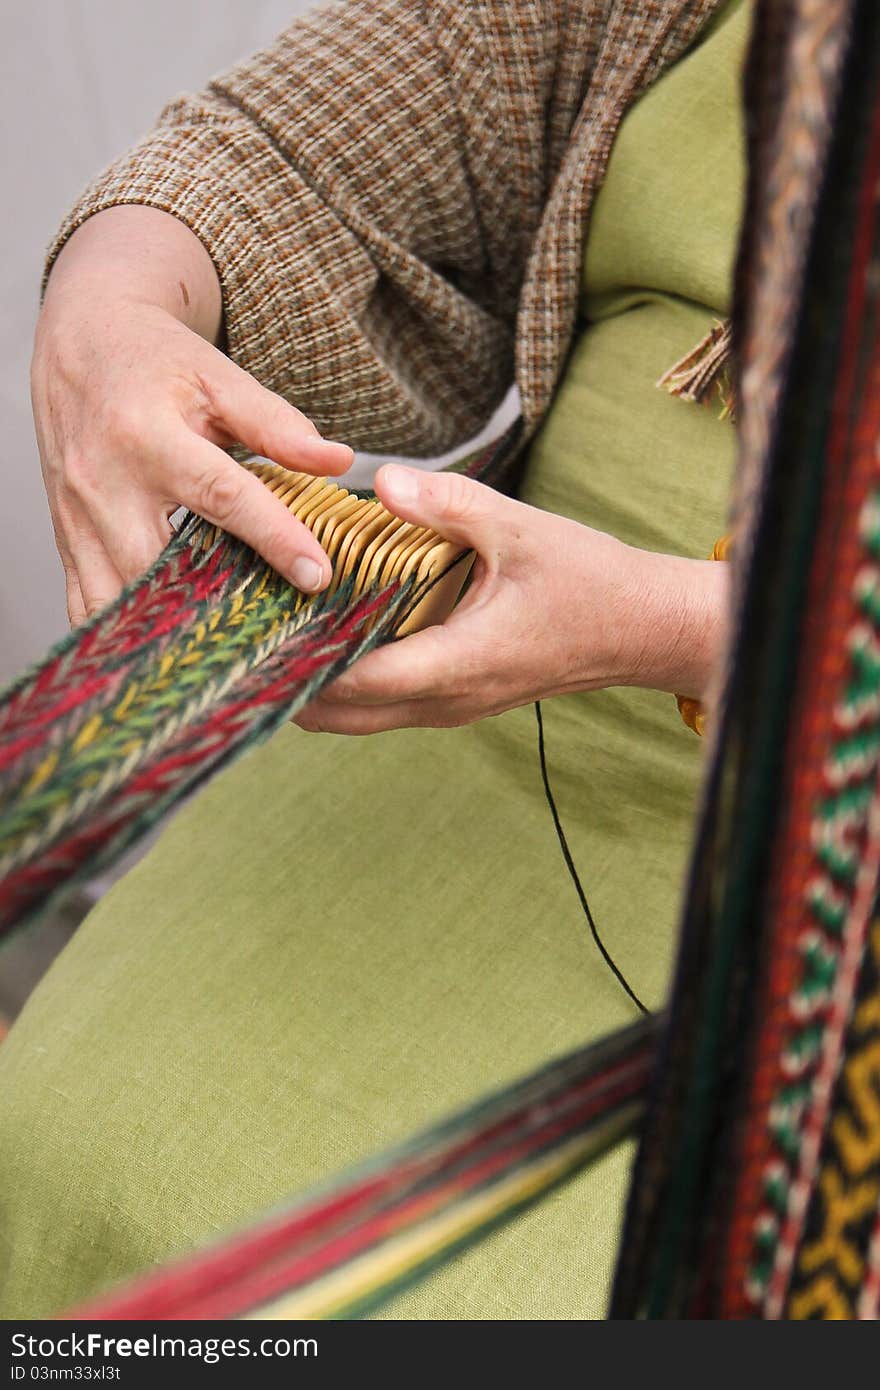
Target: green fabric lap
[
  {"x": 256, "y": 1007},
  {"x": 341, "y": 940}
]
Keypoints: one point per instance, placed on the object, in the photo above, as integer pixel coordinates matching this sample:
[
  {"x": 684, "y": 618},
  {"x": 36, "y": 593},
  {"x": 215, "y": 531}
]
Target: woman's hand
[
  {"x": 553, "y": 607},
  {"x": 133, "y": 405}
]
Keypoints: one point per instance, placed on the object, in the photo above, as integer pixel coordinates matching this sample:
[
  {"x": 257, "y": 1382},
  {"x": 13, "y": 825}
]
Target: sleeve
[{"x": 368, "y": 188}]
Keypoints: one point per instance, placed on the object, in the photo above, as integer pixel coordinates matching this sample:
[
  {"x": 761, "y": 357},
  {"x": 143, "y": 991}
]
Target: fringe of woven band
[{"x": 705, "y": 370}]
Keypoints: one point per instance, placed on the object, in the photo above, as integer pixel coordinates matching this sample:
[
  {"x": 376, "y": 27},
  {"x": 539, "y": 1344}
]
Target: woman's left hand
[{"x": 553, "y": 607}]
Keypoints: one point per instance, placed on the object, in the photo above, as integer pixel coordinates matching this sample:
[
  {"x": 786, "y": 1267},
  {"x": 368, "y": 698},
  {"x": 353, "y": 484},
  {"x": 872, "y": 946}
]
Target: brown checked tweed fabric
[{"x": 395, "y": 195}]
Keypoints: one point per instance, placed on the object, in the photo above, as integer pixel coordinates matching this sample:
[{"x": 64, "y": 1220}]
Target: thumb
[{"x": 458, "y": 508}]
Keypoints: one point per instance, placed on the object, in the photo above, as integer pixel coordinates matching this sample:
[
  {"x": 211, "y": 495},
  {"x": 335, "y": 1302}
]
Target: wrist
[{"x": 677, "y": 614}]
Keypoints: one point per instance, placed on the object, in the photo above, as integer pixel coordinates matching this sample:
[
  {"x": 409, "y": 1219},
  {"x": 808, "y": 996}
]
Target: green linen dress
[{"x": 341, "y": 940}]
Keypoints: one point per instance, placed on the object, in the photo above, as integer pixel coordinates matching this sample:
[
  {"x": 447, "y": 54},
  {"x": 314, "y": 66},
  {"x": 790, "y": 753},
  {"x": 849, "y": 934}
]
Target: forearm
[
  {"x": 141, "y": 255},
  {"x": 678, "y": 613},
  {"x": 335, "y": 236}
]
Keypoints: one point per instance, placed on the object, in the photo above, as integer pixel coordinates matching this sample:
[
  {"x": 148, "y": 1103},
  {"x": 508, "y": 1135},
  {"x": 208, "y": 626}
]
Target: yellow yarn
[{"x": 691, "y": 710}]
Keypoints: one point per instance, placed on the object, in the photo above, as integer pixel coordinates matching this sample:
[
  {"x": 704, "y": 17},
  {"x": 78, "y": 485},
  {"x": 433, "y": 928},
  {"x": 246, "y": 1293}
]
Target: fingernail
[
  {"x": 402, "y": 484},
  {"x": 322, "y": 445},
  {"x": 327, "y": 454},
  {"x": 307, "y": 574}
]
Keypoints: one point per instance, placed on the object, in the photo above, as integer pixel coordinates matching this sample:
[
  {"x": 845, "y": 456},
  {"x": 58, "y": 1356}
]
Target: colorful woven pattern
[
  {"x": 820, "y": 964},
  {"x": 835, "y": 1267},
  {"x": 207, "y": 654},
  {"x": 758, "y": 1190},
  {"x": 823, "y": 961}
]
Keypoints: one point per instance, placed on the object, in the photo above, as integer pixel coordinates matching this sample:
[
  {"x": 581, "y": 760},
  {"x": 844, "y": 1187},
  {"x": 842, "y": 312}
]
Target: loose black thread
[{"x": 569, "y": 864}]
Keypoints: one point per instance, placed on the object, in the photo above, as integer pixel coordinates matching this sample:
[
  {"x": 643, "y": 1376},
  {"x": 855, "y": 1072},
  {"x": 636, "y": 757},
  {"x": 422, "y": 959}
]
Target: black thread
[{"x": 569, "y": 864}]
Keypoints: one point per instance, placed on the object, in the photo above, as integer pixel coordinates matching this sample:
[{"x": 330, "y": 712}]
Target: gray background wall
[{"x": 79, "y": 81}]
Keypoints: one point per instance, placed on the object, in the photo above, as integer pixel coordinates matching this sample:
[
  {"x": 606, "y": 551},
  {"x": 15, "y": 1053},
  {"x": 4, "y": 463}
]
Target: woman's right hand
[{"x": 132, "y": 409}]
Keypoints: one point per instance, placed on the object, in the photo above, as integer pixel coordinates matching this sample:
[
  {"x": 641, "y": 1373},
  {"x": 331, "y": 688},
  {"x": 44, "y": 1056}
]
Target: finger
[
  {"x": 76, "y": 608},
  {"x": 223, "y": 492},
  {"x": 266, "y": 423},
  {"x": 458, "y": 508},
  {"x": 422, "y": 666},
  {"x": 99, "y": 580},
  {"x": 320, "y": 717},
  {"x": 102, "y": 500},
  {"x": 131, "y": 539}
]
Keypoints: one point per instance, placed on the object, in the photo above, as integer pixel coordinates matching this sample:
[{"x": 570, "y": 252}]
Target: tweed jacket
[{"x": 395, "y": 195}]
